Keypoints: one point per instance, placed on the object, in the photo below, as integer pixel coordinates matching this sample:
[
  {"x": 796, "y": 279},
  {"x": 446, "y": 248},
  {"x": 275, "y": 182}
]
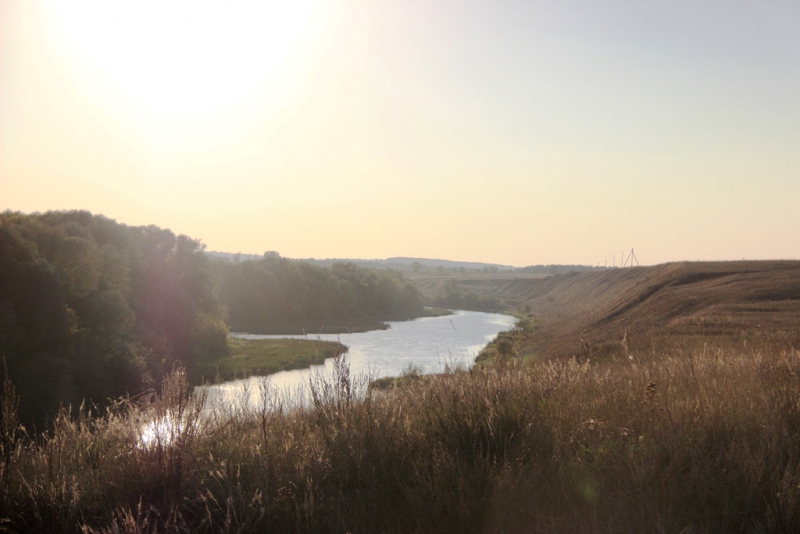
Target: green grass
[
  {"x": 250, "y": 357},
  {"x": 436, "y": 312},
  {"x": 305, "y": 328}
]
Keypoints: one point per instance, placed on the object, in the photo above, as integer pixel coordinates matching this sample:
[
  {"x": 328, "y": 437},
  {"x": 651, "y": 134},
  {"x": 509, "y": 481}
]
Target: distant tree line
[
  {"x": 93, "y": 309},
  {"x": 273, "y": 292},
  {"x": 556, "y": 269},
  {"x": 453, "y": 296}
]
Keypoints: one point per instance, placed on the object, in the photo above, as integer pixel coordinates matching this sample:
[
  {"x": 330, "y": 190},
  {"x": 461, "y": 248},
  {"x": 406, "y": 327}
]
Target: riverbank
[
  {"x": 609, "y": 313},
  {"x": 248, "y": 356},
  {"x": 427, "y": 345}
]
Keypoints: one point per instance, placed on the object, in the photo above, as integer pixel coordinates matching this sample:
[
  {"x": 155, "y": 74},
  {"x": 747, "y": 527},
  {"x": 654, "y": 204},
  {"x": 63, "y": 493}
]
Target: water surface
[{"x": 428, "y": 344}]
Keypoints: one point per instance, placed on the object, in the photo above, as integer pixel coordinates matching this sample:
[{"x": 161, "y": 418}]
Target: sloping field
[
  {"x": 432, "y": 284},
  {"x": 591, "y": 313},
  {"x": 657, "y": 306}
]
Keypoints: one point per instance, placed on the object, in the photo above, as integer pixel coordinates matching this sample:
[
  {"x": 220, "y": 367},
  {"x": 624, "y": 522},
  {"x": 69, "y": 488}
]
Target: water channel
[{"x": 427, "y": 344}]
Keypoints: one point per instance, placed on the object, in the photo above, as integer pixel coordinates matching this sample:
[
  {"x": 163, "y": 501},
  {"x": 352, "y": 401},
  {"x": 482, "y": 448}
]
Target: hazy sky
[{"x": 500, "y": 131}]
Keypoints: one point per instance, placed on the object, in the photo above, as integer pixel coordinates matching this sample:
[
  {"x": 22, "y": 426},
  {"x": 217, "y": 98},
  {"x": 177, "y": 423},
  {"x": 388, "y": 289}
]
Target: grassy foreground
[
  {"x": 252, "y": 357},
  {"x": 706, "y": 441}
]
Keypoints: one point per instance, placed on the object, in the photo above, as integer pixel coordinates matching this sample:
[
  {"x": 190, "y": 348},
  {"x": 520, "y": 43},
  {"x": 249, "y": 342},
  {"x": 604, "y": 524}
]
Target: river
[{"x": 427, "y": 344}]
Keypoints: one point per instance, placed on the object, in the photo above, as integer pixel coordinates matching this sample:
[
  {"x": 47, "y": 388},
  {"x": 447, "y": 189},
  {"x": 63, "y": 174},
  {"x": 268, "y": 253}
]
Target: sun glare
[{"x": 173, "y": 61}]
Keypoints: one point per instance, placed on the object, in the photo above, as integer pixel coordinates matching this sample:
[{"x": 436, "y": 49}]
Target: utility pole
[{"x": 633, "y": 255}]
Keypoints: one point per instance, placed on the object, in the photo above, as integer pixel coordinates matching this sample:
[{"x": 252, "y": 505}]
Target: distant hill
[
  {"x": 591, "y": 313},
  {"x": 420, "y": 265},
  {"x": 417, "y": 264},
  {"x": 558, "y": 269},
  {"x": 397, "y": 263}
]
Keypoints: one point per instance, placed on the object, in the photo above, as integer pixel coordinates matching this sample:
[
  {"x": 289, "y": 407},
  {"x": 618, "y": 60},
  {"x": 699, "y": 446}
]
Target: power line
[{"x": 631, "y": 258}]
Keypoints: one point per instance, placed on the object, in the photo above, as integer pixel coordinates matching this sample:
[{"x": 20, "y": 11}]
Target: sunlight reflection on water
[
  {"x": 159, "y": 432},
  {"x": 429, "y": 344}
]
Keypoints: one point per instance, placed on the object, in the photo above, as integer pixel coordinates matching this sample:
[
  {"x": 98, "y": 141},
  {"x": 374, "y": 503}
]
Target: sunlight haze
[{"x": 498, "y": 131}]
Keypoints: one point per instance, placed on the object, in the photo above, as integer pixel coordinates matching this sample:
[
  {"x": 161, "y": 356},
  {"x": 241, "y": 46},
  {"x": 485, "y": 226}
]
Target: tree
[{"x": 92, "y": 309}]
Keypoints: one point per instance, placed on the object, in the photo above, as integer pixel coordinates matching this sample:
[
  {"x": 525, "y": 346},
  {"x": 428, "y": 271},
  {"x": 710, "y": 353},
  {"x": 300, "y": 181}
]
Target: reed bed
[{"x": 706, "y": 441}]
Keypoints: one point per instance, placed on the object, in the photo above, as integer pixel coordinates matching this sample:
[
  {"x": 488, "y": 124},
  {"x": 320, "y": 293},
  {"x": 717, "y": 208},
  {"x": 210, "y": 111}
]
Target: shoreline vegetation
[{"x": 261, "y": 357}]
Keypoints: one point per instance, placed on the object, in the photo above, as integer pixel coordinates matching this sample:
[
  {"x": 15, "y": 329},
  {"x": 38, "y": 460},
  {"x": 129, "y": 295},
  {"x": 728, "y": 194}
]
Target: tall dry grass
[{"x": 706, "y": 441}]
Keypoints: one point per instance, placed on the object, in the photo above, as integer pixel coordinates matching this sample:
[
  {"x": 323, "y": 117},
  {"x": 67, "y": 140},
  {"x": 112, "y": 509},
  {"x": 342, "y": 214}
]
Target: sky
[{"x": 513, "y": 132}]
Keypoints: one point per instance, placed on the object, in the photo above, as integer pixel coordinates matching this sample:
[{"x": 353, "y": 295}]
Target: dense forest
[
  {"x": 91, "y": 309},
  {"x": 275, "y": 294}
]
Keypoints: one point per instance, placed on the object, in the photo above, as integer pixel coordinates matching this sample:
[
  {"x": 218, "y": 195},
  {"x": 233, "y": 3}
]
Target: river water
[{"x": 428, "y": 344}]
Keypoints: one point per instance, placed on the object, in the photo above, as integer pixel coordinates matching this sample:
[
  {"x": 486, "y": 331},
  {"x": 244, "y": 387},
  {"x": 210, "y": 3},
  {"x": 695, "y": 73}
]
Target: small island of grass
[
  {"x": 435, "y": 312},
  {"x": 249, "y": 357}
]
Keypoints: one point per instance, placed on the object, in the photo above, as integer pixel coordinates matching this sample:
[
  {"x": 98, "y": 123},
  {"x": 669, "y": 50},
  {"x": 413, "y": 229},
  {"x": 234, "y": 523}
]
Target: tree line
[
  {"x": 91, "y": 309},
  {"x": 453, "y": 296},
  {"x": 277, "y": 294}
]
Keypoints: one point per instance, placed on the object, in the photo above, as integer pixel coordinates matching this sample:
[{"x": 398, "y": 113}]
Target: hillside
[
  {"x": 431, "y": 284},
  {"x": 590, "y": 313}
]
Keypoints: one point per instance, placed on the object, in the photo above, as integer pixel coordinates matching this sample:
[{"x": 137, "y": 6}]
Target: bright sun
[{"x": 191, "y": 59}]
